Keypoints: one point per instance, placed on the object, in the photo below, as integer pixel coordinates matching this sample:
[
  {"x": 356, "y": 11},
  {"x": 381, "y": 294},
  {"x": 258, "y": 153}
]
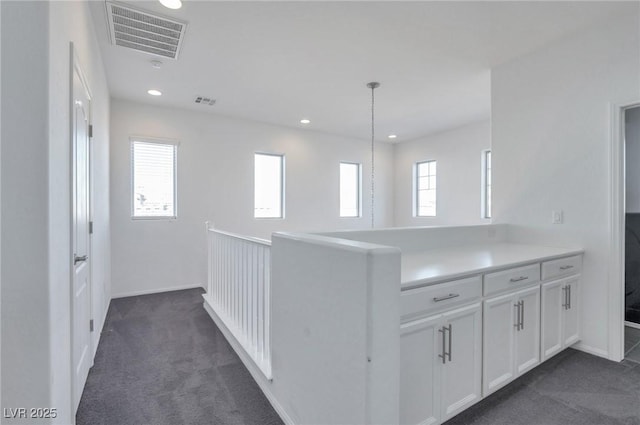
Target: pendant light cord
[{"x": 373, "y": 86}]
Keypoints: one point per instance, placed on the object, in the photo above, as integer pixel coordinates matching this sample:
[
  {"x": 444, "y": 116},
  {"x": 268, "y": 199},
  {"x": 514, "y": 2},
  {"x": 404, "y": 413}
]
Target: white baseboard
[
  {"x": 154, "y": 291},
  {"x": 591, "y": 350},
  {"x": 632, "y": 325},
  {"x": 248, "y": 362},
  {"x": 98, "y": 327}
]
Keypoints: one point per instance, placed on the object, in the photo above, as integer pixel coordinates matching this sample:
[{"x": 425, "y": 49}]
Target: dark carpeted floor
[
  {"x": 572, "y": 388},
  {"x": 161, "y": 360}
]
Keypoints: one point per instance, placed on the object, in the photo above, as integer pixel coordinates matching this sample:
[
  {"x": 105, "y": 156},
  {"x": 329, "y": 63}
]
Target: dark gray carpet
[
  {"x": 571, "y": 388},
  {"x": 162, "y": 360}
]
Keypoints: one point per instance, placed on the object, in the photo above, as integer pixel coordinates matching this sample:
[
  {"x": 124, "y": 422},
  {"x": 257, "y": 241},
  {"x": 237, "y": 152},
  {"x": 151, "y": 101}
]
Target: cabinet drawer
[
  {"x": 511, "y": 278},
  {"x": 426, "y": 300},
  {"x": 562, "y": 267}
]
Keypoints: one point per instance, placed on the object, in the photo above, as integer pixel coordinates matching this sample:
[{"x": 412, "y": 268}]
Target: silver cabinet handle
[
  {"x": 443, "y": 356},
  {"x": 77, "y": 259},
  {"x": 569, "y": 297},
  {"x": 446, "y": 297},
  {"x": 518, "y": 279},
  {"x": 564, "y": 291},
  {"x": 519, "y": 325},
  {"x": 450, "y": 336},
  {"x": 565, "y": 267}
]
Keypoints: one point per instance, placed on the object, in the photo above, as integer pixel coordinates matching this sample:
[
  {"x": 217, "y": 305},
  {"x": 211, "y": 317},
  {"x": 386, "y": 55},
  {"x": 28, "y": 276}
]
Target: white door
[
  {"x": 571, "y": 326},
  {"x": 528, "y": 333},
  {"x": 420, "y": 345},
  {"x": 81, "y": 286},
  {"x": 461, "y": 382},
  {"x": 553, "y": 301},
  {"x": 498, "y": 351}
]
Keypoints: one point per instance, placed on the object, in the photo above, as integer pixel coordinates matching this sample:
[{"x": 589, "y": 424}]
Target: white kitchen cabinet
[
  {"x": 511, "y": 337},
  {"x": 528, "y": 336},
  {"x": 420, "y": 370},
  {"x": 461, "y": 379},
  {"x": 463, "y": 339},
  {"x": 440, "y": 373},
  {"x": 560, "y": 315}
]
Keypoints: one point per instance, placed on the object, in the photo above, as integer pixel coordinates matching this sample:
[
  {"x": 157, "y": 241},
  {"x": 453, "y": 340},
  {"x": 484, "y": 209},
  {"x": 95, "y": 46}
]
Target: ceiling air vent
[
  {"x": 201, "y": 100},
  {"x": 145, "y": 32}
]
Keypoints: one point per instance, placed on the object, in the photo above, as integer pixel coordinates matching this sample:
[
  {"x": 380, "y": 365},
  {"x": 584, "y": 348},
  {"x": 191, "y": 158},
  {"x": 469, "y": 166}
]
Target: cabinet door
[
  {"x": 461, "y": 382},
  {"x": 528, "y": 334},
  {"x": 571, "y": 326},
  {"x": 420, "y": 344},
  {"x": 552, "y": 317},
  {"x": 498, "y": 348}
]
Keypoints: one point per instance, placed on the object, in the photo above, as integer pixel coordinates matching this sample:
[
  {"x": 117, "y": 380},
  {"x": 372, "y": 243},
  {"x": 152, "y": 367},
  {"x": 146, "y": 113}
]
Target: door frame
[
  {"x": 617, "y": 202},
  {"x": 75, "y": 67}
]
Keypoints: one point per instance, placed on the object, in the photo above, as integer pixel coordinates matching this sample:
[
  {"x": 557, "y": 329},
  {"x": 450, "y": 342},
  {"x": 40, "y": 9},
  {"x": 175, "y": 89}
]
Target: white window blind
[
  {"x": 349, "y": 189},
  {"x": 154, "y": 179},
  {"x": 426, "y": 189},
  {"x": 268, "y": 186}
]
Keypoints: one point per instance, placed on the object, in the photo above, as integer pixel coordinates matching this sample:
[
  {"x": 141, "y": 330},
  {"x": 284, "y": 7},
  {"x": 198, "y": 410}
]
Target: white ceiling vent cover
[{"x": 145, "y": 32}]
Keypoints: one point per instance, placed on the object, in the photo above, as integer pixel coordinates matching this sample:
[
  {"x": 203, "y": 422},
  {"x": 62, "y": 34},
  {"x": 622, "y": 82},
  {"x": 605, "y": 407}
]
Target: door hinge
[
  {"x": 91, "y": 227},
  {"x": 90, "y": 130},
  {"x": 91, "y": 325}
]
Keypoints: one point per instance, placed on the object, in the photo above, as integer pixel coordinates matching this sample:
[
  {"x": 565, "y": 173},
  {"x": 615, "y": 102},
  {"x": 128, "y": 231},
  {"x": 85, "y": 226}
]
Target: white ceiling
[{"x": 278, "y": 62}]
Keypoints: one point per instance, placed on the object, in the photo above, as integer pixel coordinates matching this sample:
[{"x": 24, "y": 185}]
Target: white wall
[
  {"x": 215, "y": 182},
  {"x": 550, "y": 144},
  {"x": 458, "y": 156},
  {"x": 72, "y": 22},
  {"x": 632, "y": 159},
  {"x": 335, "y": 359},
  {"x": 36, "y": 215},
  {"x": 25, "y": 298}
]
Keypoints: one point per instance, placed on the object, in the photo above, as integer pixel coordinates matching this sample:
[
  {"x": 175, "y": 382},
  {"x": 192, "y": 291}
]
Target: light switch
[{"x": 556, "y": 217}]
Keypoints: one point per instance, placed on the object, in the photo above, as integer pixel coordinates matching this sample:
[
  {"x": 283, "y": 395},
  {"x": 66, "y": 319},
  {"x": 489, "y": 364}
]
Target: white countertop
[{"x": 437, "y": 265}]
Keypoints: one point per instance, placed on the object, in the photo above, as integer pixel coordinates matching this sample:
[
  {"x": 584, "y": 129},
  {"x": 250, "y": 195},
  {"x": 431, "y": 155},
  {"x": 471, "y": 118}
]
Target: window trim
[
  {"x": 359, "y": 196},
  {"x": 483, "y": 186},
  {"x": 158, "y": 141},
  {"x": 282, "y": 185},
  {"x": 416, "y": 189}
]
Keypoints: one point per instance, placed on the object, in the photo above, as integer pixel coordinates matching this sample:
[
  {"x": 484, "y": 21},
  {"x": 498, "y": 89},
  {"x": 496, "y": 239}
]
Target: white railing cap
[
  {"x": 335, "y": 242},
  {"x": 251, "y": 239}
]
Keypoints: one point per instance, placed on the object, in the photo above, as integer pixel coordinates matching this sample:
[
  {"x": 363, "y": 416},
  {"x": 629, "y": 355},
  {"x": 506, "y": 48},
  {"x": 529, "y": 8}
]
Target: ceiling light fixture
[
  {"x": 392, "y": 136},
  {"x": 171, "y": 4},
  {"x": 156, "y": 64},
  {"x": 153, "y": 92},
  {"x": 305, "y": 121},
  {"x": 372, "y": 85}
]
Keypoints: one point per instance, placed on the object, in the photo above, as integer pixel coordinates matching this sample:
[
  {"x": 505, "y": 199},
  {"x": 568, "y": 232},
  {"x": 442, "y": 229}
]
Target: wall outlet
[{"x": 556, "y": 217}]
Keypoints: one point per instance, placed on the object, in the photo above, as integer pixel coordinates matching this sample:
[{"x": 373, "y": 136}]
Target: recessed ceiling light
[
  {"x": 304, "y": 121},
  {"x": 171, "y": 4},
  {"x": 153, "y": 92},
  {"x": 156, "y": 64},
  {"x": 392, "y": 136}
]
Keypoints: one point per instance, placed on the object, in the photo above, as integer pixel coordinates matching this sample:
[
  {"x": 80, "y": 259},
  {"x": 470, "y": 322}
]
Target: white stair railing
[{"x": 239, "y": 284}]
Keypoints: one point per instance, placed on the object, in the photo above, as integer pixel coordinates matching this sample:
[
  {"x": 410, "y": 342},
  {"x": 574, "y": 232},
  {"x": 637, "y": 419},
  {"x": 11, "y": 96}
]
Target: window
[
  {"x": 486, "y": 184},
  {"x": 425, "y": 200},
  {"x": 268, "y": 186},
  {"x": 349, "y": 189},
  {"x": 154, "y": 179}
]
